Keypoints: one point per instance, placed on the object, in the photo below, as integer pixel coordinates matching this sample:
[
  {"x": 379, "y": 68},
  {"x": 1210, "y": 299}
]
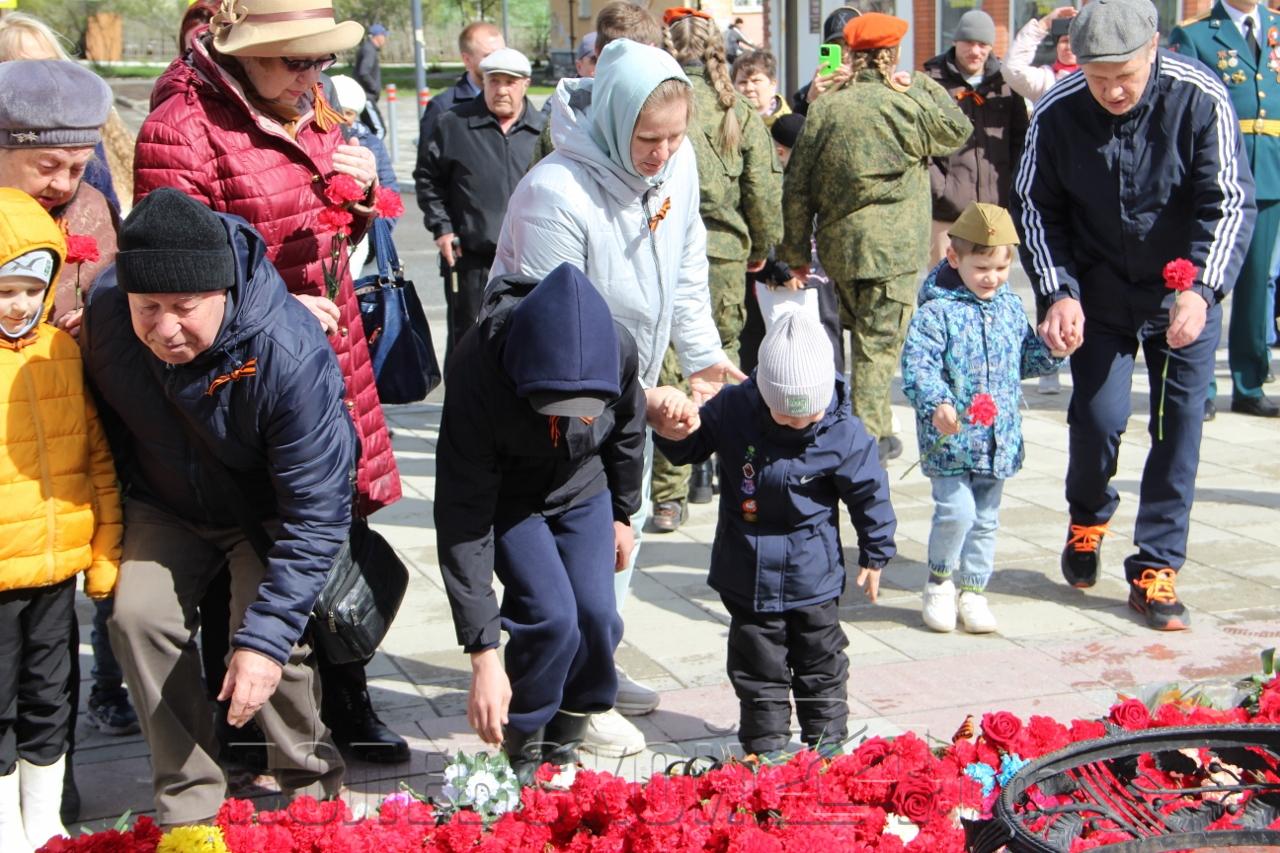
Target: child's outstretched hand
[
  {"x": 946, "y": 419},
  {"x": 870, "y": 580},
  {"x": 671, "y": 414}
]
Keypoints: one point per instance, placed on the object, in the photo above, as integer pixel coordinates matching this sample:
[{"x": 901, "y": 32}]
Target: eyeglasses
[{"x": 297, "y": 66}]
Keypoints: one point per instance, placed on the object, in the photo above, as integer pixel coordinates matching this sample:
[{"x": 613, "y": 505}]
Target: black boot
[
  {"x": 347, "y": 711},
  {"x": 564, "y": 735},
  {"x": 524, "y": 751},
  {"x": 700, "y": 483}
]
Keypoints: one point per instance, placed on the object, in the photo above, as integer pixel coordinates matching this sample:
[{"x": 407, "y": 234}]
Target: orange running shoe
[
  {"x": 1153, "y": 595},
  {"x": 1083, "y": 554}
]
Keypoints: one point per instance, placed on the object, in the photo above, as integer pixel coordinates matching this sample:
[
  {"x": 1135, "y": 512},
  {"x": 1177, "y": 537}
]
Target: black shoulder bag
[{"x": 365, "y": 584}]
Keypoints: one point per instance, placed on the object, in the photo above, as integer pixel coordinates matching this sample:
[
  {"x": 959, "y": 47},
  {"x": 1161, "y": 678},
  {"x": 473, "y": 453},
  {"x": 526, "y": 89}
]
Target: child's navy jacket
[{"x": 777, "y": 543}]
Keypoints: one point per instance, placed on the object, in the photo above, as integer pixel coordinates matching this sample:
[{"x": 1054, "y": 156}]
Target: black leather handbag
[
  {"x": 405, "y": 368},
  {"x": 362, "y": 591}
]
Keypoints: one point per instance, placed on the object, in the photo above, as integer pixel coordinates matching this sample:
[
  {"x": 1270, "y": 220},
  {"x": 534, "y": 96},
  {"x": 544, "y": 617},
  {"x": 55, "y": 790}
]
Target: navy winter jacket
[
  {"x": 498, "y": 460},
  {"x": 777, "y": 543},
  {"x": 266, "y": 398},
  {"x": 1103, "y": 202}
]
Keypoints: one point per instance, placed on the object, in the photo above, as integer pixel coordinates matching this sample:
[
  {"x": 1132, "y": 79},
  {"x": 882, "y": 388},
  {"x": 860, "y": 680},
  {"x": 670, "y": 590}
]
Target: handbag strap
[
  {"x": 384, "y": 249},
  {"x": 229, "y": 490}
]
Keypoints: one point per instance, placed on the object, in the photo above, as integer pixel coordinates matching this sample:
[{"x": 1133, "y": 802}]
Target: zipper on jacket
[{"x": 46, "y": 481}]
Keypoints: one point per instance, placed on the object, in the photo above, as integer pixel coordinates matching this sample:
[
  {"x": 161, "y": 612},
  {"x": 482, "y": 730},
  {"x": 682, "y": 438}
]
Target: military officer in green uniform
[
  {"x": 861, "y": 167},
  {"x": 1239, "y": 40},
  {"x": 740, "y": 187}
]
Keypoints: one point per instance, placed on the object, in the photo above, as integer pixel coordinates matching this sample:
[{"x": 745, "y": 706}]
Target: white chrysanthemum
[{"x": 481, "y": 787}]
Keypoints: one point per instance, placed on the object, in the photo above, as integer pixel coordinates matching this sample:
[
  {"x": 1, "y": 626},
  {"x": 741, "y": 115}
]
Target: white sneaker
[
  {"x": 975, "y": 614},
  {"x": 611, "y": 735},
  {"x": 634, "y": 700},
  {"x": 940, "y": 606}
]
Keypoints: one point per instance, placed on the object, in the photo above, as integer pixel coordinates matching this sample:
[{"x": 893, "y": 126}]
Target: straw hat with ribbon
[{"x": 281, "y": 28}]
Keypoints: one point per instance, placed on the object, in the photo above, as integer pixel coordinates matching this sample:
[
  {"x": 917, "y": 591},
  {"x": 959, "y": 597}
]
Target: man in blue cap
[{"x": 367, "y": 69}]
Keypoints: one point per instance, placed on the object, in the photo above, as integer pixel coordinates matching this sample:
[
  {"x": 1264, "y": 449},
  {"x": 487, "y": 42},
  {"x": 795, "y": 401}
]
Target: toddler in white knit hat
[{"x": 789, "y": 451}]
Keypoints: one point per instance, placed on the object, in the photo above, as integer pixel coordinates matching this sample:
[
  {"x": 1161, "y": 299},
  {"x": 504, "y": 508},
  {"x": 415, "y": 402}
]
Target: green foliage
[{"x": 70, "y": 18}]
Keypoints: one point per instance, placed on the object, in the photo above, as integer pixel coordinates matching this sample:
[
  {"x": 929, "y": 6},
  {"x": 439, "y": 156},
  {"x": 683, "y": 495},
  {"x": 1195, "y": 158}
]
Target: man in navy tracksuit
[
  {"x": 790, "y": 450},
  {"x": 1130, "y": 163},
  {"x": 538, "y": 471}
]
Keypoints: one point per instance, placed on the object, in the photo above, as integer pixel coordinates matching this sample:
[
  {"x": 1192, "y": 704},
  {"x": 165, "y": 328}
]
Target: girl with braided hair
[{"x": 740, "y": 185}]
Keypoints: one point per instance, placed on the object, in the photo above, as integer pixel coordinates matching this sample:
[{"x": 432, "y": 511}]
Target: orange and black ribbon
[
  {"x": 978, "y": 100},
  {"x": 661, "y": 214},
  {"x": 326, "y": 115},
  {"x": 249, "y": 368}
]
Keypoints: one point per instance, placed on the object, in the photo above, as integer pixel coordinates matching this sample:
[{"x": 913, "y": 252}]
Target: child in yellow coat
[{"x": 59, "y": 516}]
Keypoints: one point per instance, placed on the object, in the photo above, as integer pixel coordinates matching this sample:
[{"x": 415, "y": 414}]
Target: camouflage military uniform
[
  {"x": 544, "y": 145},
  {"x": 741, "y": 205},
  {"x": 860, "y": 167}
]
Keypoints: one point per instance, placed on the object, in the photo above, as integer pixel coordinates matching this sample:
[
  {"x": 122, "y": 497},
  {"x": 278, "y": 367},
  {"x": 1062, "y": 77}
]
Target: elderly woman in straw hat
[{"x": 240, "y": 122}]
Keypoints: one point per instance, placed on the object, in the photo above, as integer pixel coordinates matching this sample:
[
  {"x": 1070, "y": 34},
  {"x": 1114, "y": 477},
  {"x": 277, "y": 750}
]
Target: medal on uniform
[
  {"x": 748, "y": 487},
  {"x": 1238, "y": 78},
  {"x": 749, "y": 510},
  {"x": 1232, "y": 59},
  {"x": 1273, "y": 37}
]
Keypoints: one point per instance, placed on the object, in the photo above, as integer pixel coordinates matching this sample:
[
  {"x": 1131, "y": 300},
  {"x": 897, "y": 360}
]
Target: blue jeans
[
  {"x": 106, "y": 669},
  {"x": 962, "y": 540}
]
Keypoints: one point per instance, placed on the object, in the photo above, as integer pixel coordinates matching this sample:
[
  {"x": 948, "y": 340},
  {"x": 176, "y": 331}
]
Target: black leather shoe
[
  {"x": 1259, "y": 406},
  {"x": 524, "y": 752},
  {"x": 1082, "y": 554},
  {"x": 564, "y": 735},
  {"x": 355, "y": 726},
  {"x": 1210, "y": 410},
  {"x": 701, "y": 479}
]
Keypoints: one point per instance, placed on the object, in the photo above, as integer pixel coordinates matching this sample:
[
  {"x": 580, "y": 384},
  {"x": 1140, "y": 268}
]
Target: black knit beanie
[{"x": 171, "y": 243}]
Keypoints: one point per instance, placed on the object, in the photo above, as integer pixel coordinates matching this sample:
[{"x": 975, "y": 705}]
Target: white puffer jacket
[{"x": 579, "y": 206}]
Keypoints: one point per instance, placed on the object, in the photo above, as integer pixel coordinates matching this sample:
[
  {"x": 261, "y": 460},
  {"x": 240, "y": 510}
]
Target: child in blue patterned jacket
[{"x": 970, "y": 337}]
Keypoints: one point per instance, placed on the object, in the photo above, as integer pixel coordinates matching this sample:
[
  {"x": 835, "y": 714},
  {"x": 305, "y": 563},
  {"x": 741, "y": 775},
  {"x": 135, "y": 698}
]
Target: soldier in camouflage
[
  {"x": 861, "y": 167},
  {"x": 740, "y": 183}
]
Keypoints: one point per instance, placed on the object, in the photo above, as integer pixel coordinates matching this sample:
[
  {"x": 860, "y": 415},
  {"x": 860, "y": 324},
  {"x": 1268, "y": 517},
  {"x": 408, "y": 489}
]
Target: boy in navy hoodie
[
  {"x": 538, "y": 470},
  {"x": 790, "y": 450}
]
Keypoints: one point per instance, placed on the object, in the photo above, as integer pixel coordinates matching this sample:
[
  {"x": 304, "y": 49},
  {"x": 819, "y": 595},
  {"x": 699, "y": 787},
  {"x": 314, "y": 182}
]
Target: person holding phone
[{"x": 830, "y": 75}]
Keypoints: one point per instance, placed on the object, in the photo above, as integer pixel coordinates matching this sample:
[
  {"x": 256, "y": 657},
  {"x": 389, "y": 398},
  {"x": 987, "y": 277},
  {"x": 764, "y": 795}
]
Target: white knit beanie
[{"x": 796, "y": 373}]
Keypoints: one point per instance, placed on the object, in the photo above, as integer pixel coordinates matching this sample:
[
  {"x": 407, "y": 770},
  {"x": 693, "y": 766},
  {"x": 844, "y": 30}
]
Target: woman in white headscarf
[{"x": 619, "y": 200}]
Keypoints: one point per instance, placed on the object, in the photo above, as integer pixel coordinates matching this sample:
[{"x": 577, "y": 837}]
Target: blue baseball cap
[{"x": 377, "y": 30}]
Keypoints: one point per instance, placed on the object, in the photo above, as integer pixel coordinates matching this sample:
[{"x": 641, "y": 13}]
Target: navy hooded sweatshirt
[
  {"x": 281, "y": 428},
  {"x": 498, "y": 459}
]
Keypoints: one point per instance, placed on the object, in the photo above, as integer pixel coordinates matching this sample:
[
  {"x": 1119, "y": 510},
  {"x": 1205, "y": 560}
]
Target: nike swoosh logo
[{"x": 809, "y": 478}]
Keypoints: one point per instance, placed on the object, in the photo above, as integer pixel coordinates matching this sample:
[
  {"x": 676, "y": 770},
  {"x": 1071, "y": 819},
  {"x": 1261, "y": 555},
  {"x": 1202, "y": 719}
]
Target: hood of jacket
[
  {"x": 593, "y": 118},
  {"x": 26, "y": 227},
  {"x": 946, "y": 284}
]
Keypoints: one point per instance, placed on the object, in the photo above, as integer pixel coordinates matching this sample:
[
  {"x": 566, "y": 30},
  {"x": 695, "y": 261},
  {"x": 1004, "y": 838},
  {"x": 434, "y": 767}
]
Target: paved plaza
[{"x": 1059, "y": 651}]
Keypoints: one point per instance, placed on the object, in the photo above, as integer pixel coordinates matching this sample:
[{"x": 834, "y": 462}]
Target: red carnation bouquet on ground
[
  {"x": 982, "y": 411},
  {"x": 1179, "y": 275}
]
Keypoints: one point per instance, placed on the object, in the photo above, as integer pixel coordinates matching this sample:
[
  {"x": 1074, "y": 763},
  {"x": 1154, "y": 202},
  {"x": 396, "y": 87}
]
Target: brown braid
[
  {"x": 697, "y": 40},
  {"x": 882, "y": 60}
]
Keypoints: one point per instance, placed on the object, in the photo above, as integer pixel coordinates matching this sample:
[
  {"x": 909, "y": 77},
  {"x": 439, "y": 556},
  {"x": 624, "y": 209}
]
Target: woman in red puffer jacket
[{"x": 240, "y": 123}]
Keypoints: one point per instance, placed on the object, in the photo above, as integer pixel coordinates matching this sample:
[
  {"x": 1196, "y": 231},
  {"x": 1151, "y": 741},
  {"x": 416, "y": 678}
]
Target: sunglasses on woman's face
[{"x": 297, "y": 66}]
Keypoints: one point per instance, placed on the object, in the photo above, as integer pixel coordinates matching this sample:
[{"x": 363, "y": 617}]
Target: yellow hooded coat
[{"x": 59, "y": 502}]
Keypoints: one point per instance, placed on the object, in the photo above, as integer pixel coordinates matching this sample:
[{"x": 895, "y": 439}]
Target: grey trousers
[{"x": 166, "y": 565}]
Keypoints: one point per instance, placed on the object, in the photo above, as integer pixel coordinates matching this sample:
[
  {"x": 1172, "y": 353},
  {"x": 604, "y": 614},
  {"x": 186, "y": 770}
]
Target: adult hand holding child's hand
[{"x": 670, "y": 413}]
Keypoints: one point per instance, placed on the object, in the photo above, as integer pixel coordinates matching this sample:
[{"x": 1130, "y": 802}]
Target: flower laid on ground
[
  {"x": 981, "y": 411},
  {"x": 1179, "y": 275},
  {"x": 895, "y": 795}
]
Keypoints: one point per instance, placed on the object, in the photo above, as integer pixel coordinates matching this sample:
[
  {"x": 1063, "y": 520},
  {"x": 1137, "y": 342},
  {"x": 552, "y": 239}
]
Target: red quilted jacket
[{"x": 204, "y": 138}]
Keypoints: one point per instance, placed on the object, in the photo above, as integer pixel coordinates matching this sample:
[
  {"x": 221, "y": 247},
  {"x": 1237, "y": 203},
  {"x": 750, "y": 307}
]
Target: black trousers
[
  {"x": 775, "y": 655},
  {"x": 464, "y": 285},
  {"x": 753, "y": 329},
  {"x": 36, "y": 713}
]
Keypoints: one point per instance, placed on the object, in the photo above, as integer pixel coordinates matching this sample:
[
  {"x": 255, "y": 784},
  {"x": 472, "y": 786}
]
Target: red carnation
[
  {"x": 337, "y": 220},
  {"x": 387, "y": 203},
  {"x": 1180, "y": 274},
  {"x": 1131, "y": 715},
  {"x": 1001, "y": 728},
  {"x": 982, "y": 410},
  {"x": 342, "y": 189},
  {"x": 81, "y": 248}
]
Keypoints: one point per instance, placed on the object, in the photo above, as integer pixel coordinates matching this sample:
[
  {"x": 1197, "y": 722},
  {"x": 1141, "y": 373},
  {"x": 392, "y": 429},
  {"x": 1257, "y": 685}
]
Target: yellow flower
[{"x": 192, "y": 839}]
